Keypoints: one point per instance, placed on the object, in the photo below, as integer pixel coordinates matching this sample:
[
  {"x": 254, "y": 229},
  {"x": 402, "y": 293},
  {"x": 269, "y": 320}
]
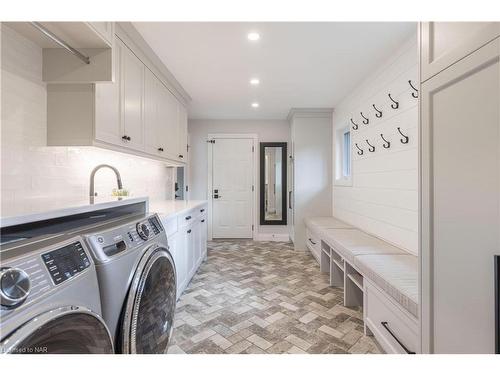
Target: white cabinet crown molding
[{"x": 134, "y": 40}]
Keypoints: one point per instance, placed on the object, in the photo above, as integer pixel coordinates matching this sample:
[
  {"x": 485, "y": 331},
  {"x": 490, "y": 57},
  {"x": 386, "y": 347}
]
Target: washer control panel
[
  {"x": 116, "y": 240},
  {"x": 66, "y": 262}
]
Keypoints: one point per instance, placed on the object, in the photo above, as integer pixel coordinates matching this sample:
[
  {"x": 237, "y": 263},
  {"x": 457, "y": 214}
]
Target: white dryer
[
  {"x": 50, "y": 299},
  {"x": 137, "y": 283}
]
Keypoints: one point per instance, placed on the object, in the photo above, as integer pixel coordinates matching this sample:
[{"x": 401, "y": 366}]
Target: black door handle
[
  {"x": 188, "y": 217},
  {"x": 290, "y": 199},
  {"x": 386, "y": 326},
  {"x": 311, "y": 241}
]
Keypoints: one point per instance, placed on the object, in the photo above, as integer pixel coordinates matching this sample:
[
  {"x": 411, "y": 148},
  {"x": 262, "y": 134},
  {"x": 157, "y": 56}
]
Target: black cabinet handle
[
  {"x": 126, "y": 138},
  {"x": 203, "y": 221},
  {"x": 311, "y": 241},
  {"x": 202, "y": 210},
  {"x": 181, "y": 156},
  {"x": 386, "y": 326},
  {"x": 189, "y": 231},
  {"x": 160, "y": 149},
  {"x": 188, "y": 217},
  {"x": 290, "y": 199}
]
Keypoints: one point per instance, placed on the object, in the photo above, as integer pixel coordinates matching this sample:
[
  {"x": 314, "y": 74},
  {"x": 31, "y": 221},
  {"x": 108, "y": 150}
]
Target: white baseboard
[{"x": 279, "y": 237}]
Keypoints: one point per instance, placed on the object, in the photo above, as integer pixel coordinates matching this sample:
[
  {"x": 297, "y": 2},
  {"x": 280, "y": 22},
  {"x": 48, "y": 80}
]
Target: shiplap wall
[
  {"x": 38, "y": 178},
  {"x": 383, "y": 198}
]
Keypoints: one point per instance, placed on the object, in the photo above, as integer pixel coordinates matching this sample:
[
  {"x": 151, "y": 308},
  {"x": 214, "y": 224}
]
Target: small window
[
  {"x": 346, "y": 155},
  {"x": 343, "y": 163}
]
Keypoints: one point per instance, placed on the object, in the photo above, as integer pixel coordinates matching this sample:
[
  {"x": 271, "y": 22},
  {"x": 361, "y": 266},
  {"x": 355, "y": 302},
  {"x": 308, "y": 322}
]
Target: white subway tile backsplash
[{"x": 35, "y": 177}]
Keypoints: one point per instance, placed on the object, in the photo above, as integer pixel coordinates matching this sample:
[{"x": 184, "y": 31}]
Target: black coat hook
[
  {"x": 386, "y": 144},
  {"x": 355, "y": 126},
  {"x": 405, "y": 138},
  {"x": 379, "y": 113},
  {"x": 415, "y": 93},
  {"x": 366, "y": 120},
  {"x": 360, "y": 152},
  {"x": 371, "y": 148},
  {"x": 395, "y": 104}
]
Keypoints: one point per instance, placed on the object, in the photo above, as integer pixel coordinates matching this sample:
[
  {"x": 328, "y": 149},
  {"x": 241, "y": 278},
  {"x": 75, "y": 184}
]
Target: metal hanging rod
[{"x": 61, "y": 42}]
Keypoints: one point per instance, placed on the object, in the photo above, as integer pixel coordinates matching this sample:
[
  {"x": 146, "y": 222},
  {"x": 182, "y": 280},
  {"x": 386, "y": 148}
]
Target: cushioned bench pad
[{"x": 397, "y": 275}]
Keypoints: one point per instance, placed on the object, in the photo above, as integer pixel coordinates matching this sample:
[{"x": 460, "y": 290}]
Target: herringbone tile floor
[{"x": 264, "y": 297}]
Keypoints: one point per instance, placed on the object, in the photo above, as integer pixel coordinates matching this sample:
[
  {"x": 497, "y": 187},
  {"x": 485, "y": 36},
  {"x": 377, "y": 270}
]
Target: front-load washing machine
[
  {"x": 50, "y": 299},
  {"x": 137, "y": 283}
]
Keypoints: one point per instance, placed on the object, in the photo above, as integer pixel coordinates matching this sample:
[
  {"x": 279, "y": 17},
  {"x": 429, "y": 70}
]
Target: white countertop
[
  {"x": 165, "y": 208},
  {"x": 72, "y": 208}
]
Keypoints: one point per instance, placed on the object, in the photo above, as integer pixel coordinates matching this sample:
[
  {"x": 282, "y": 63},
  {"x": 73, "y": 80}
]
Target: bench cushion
[
  {"x": 350, "y": 243},
  {"x": 397, "y": 275},
  {"x": 325, "y": 222}
]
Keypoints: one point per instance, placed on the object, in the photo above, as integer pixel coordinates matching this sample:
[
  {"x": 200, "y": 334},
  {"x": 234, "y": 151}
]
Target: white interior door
[{"x": 232, "y": 181}]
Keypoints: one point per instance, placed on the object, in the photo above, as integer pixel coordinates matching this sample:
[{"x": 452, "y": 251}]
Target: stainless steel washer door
[
  {"x": 66, "y": 330},
  {"x": 149, "y": 312}
]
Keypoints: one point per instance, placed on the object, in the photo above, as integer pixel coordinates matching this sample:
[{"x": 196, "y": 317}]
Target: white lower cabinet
[
  {"x": 395, "y": 330},
  {"x": 187, "y": 239}
]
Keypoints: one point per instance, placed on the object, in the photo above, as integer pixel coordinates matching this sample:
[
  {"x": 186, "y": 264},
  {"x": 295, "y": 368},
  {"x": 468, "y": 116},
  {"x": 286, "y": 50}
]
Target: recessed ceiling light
[
  {"x": 254, "y": 81},
  {"x": 255, "y": 105},
  {"x": 253, "y": 36}
]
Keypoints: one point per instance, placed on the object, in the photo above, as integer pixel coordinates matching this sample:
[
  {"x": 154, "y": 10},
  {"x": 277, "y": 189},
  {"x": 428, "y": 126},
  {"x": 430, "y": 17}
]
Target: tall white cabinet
[
  {"x": 309, "y": 169},
  {"x": 460, "y": 119}
]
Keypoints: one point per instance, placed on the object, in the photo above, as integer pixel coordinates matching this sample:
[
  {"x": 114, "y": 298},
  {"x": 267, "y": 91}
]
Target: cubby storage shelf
[{"x": 357, "y": 279}]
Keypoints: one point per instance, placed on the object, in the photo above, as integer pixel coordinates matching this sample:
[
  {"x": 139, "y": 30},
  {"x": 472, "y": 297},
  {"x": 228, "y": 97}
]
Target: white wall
[
  {"x": 266, "y": 130},
  {"x": 37, "y": 178},
  {"x": 383, "y": 198}
]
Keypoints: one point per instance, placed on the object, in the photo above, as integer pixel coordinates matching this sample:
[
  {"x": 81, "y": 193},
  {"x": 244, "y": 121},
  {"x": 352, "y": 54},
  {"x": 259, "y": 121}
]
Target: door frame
[{"x": 215, "y": 136}]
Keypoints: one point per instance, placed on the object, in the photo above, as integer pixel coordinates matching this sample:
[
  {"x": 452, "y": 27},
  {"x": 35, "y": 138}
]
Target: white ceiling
[{"x": 298, "y": 64}]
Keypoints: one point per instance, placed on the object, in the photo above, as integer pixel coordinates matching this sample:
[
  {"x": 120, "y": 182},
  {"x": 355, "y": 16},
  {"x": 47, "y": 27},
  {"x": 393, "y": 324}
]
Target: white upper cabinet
[
  {"x": 132, "y": 91},
  {"x": 169, "y": 125},
  {"x": 444, "y": 43},
  {"x": 136, "y": 113},
  {"x": 182, "y": 140},
  {"x": 107, "y": 105},
  {"x": 152, "y": 137}
]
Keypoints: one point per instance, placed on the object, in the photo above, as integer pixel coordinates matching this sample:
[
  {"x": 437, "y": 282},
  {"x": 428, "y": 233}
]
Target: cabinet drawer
[
  {"x": 187, "y": 218},
  {"x": 388, "y": 322},
  {"x": 313, "y": 243}
]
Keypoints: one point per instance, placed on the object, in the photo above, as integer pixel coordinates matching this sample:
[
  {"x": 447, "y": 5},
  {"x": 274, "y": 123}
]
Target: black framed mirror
[{"x": 273, "y": 187}]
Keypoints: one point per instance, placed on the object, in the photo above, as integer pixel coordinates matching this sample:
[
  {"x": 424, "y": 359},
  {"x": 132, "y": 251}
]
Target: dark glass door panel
[
  {"x": 74, "y": 333},
  {"x": 152, "y": 313}
]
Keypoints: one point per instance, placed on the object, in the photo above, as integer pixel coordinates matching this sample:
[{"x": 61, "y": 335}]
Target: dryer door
[
  {"x": 66, "y": 330},
  {"x": 149, "y": 312}
]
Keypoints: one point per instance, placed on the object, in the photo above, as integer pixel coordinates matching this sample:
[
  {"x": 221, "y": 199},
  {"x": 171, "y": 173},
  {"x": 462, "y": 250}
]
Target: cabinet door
[
  {"x": 182, "y": 155},
  {"x": 203, "y": 237},
  {"x": 133, "y": 99},
  {"x": 169, "y": 123},
  {"x": 107, "y": 105},
  {"x": 152, "y": 105},
  {"x": 175, "y": 251},
  {"x": 182, "y": 260},
  {"x": 191, "y": 251},
  {"x": 461, "y": 203},
  {"x": 197, "y": 244},
  {"x": 444, "y": 43}
]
